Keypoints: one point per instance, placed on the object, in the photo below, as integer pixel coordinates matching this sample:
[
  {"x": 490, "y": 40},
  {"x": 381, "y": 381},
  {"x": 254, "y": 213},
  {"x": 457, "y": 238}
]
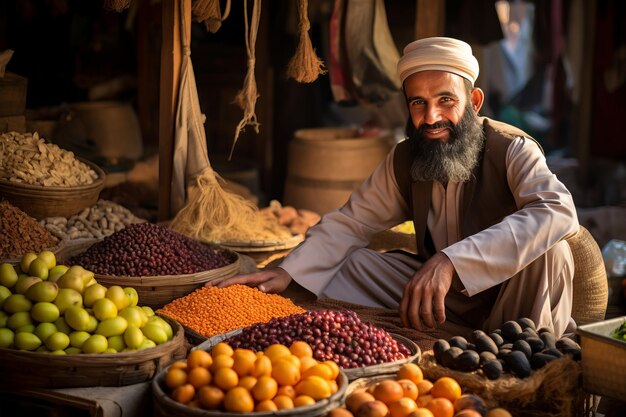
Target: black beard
[{"x": 454, "y": 160}]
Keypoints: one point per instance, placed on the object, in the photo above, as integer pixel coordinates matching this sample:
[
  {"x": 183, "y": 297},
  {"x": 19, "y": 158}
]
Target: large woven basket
[
  {"x": 165, "y": 406},
  {"x": 41, "y": 202},
  {"x": 22, "y": 369},
  {"x": 157, "y": 291}
]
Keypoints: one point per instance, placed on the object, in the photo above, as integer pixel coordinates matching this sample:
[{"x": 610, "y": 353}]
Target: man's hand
[
  {"x": 274, "y": 280},
  {"x": 425, "y": 293}
]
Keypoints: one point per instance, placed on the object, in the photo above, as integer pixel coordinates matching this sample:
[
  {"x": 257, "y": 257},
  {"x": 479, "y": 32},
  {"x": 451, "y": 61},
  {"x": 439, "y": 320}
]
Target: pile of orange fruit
[
  {"x": 240, "y": 380},
  {"x": 410, "y": 395}
]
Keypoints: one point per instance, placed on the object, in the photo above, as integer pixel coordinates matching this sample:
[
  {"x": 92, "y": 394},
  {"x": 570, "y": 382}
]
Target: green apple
[
  {"x": 62, "y": 326},
  {"x": 72, "y": 281},
  {"x": 95, "y": 344},
  {"x": 77, "y": 318},
  {"x": 4, "y": 294},
  {"x": 77, "y": 338},
  {"x": 117, "y": 343},
  {"x": 57, "y": 341},
  {"x": 8, "y": 275},
  {"x": 56, "y": 272},
  {"x": 133, "y": 297},
  {"x": 42, "y": 291},
  {"x": 4, "y": 317},
  {"x": 94, "y": 293},
  {"x": 73, "y": 350},
  {"x": 104, "y": 308},
  {"x": 116, "y": 294},
  {"x": 133, "y": 315},
  {"x": 43, "y": 330},
  {"x": 133, "y": 337},
  {"x": 16, "y": 303},
  {"x": 115, "y": 326},
  {"x": 45, "y": 312},
  {"x": 27, "y": 258},
  {"x": 24, "y": 283},
  {"x": 93, "y": 324},
  {"x": 6, "y": 338},
  {"x": 17, "y": 320},
  {"x": 26, "y": 341},
  {"x": 48, "y": 257},
  {"x": 68, "y": 297}
]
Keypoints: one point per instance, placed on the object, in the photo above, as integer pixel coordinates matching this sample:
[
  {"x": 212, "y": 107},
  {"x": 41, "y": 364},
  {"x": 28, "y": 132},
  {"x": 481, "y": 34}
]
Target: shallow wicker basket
[
  {"x": 41, "y": 202},
  {"x": 22, "y": 369},
  {"x": 165, "y": 406},
  {"x": 157, "y": 291}
]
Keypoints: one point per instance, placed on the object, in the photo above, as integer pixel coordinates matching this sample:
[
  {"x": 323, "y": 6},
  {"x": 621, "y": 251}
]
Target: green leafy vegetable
[{"x": 620, "y": 332}]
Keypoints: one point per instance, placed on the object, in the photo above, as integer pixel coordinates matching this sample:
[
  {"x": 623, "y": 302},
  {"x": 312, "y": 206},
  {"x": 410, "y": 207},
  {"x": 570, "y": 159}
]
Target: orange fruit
[
  {"x": 285, "y": 372},
  {"x": 291, "y": 358},
  {"x": 410, "y": 371},
  {"x": 302, "y": 400},
  {"x": 321, "y": 370},
  {"x": 423, "y": 400},
  {"x": 247, "y": 382},
  {"x": 226, "y": 378},
  {"x": 424, "y": 387},
  {"x": 179, "y": 364},
  {"x": 262, "y": 366},
  {"x": 267, "y": 405},
  {"x": 243, "y": 361},
  {"x": 498, "y": 412},
  {"x": 210, "y": 397},
  {"x": 355, "y": 399},
  {"x": 221, "y": 361},
  {"x": 184, "y": 393},
  {"x": 222, "y": 349},
  {"x": 388, "y": 391},
  {"x": 402, "y": 408},
  {"x": 265, "y": 388},
  {"x": 306, "y": 363},
  {"x": 199, "y": 357},
  {"x": 313, "y": 386},
  {"x": 374, "y": 408},
  {"x": 283, "y": 402},
  {"x": 421, "y": 412},
  {"x": 175, "y": 377},
  {"x": 468, "y": 412},
  {"x": 334, "y": 367},
  {"x": 199, "y": 377},
  {"x": 301, "y": 349},
  {"x": 446, "y": 387},
  {"x": 238, "y": 400},
  {"x": 287, "y": 390},
  {"x": 276, "y": 351},
  {"x": 333, "y": 386},
  {"x": 441, "y": 407},
  {"x": 409, "y": 388}
]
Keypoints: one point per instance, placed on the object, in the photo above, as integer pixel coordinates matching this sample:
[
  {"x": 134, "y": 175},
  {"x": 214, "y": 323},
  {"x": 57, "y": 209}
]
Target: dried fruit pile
[
  {"x": 334, "y": 335},
  {"x": 20, "y": 233},
  {"x": 147, "y": 249},
  {"x": 517, "y": 347}
]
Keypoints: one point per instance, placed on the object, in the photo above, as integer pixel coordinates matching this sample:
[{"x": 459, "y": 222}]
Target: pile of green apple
[{"x": 46, "y": 307}]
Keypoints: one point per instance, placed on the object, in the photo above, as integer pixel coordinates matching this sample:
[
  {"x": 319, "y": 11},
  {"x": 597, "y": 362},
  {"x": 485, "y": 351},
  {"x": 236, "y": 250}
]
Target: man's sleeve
[
  {"x": 546, "y": 215},
  {"x": 375, "y": 206}
]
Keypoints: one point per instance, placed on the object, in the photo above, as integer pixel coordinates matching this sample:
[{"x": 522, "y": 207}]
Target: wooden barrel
[{"x": 326, "y": 164}]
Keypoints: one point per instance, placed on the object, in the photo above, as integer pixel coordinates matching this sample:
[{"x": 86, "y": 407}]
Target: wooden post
[
  {"x": 171, "y": 57},
  {"x": 429, "y": 18}
]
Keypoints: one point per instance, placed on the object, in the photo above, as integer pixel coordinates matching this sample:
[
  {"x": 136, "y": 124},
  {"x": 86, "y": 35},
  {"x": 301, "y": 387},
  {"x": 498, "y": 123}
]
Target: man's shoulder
[{"x": 503, "y": 132}]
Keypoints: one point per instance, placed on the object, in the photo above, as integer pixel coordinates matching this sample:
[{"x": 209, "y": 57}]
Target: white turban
[{"x": 438, "y": 53}]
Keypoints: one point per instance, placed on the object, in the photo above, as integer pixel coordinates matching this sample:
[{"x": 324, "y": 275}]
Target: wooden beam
[
  {"x": 429, "y": 18},
  {"x": 171, "y": 54}
]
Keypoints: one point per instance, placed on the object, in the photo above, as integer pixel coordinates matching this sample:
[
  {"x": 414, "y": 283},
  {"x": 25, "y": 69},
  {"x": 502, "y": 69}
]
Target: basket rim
[
  {"x": 261, "y": 245},
  {"x": 97, "y": 183},
  {"x": 587, "y": 330}
]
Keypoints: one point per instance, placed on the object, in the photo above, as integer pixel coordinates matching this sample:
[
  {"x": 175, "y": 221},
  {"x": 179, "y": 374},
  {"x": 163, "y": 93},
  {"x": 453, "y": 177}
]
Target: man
[{"x": 491, "y": 219}]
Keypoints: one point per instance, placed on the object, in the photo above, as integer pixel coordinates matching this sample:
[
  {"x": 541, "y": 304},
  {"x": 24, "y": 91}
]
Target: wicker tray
[
  {"x": 159, "y": 290},
  {"x": 351, "y": 373},
  {"x": 44, "y": 370},
  {"x": 262, "y": 245},
  {"x": 41, "y": 202},
  {"x": 603, "y": 358},
  {"x": 165, "y": 406}
]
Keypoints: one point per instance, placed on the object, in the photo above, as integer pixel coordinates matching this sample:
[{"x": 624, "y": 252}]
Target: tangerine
[
  {"x": 262, "y": 366},
  {"x": 175, "y": 377},
  {"x": 355, "y": 399},
  {"x": 184, "y": 393},
  {"x": 239, "y": 400},
  {"x": 267, "y": 405},
  {"x": 441, "y": 407},
  {"x": 275, "y": 351},
  {"x": 283, "y": 402},
  {"x": 409, "y": 388},
  {"x": 423, "y": 400},
  {"x": 410, "y": 371},
  {"x": 334, "y": 367},
  {"x": 243, "y": 361},
  {"x": 221, "y": 361},
  {"x": 374, "y": 408},
  {"x": 388, "y": 391},
  {"x": 287, "y": 390},
  {"x": 301, "y": 349},
  {"x": 446, "y": 387},
  {"x": 402, "y": 408},
  {"x": 421, "y": 412},
  {"x": 222, "y": 348},
  {"x": 266, "y": 388},
  {"x": 179, "y": 364},
  {"x": 199, "y": 357},
  {"x": 226, "y": 378},
  {"x": 302, "y": 400},
  {"x": 424, "y": 387},
  {"x": 306, "y": 363},
  {"x": 313, "y": 386},
  {"x": 247, "y": 382},
  {"x": 199, "y": 377},
  {"x": 210, "y": 397},
  {"x": 321, "y": 370},
  {"x": 285, "y": 372}
]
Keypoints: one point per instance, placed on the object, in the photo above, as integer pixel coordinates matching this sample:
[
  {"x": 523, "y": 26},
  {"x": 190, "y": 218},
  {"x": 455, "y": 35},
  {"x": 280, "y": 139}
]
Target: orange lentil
[{"x": 211, "y": 311}]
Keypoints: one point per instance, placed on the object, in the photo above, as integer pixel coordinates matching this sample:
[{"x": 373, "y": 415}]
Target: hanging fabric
[
  {"x": 247, "y": 96},
  {"x": 339, "y": 79},
  {"x": 208, "y": 212},
  {"x": 305, "y": 66},
  {"x": 209, "y": 12}
]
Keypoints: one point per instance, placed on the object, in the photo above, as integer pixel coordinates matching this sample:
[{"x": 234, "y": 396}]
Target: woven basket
[
  {"x": 159, "y": 290},
  {"x": 22, "y": 369},
  {"x": 590, "y": 296},
  {"x": 41, "y": 202},
  {"x": 165, "y": 406}
]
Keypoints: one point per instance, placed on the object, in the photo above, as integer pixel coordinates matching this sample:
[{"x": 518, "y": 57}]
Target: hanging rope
[
  {"x": 208, "y": 11},
  {"x": 305, "y": 66},
  {"x": 246, "y": 97}
]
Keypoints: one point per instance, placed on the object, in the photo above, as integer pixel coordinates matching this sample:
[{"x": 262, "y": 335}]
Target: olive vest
[{"x": 487, "y": 198}]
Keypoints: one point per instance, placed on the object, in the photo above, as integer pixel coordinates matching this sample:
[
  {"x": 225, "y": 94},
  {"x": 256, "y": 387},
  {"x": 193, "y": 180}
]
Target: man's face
[{"x": 445, "y": 133}]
